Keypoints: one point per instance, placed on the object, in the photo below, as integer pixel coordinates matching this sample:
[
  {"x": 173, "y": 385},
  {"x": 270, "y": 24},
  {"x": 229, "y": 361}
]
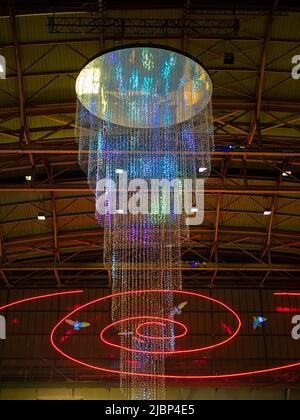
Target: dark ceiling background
[{"x": 80, "y": 5}]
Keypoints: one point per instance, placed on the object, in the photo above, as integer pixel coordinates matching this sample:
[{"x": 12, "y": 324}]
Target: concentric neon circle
[
  {"x": 162, "y": 324},
  {"x": 157, "y": 321},
  {"x": 40, "y": 297},
  {"x": 120, "y": 372}
]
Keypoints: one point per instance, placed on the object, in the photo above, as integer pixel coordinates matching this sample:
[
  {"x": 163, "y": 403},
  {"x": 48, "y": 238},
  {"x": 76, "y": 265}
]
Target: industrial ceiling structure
[
  {"x": 256, "y": 113},
  {"x": 249, "y": 242}
]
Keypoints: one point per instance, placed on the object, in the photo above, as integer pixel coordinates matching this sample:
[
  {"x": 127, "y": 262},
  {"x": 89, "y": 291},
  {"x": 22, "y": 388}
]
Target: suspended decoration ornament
[{"x": 143, "y": 115}]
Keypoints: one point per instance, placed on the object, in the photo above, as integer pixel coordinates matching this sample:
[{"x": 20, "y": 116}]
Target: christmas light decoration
[
  {"x": 135, "y": 324},
  {"x": 144, "y": 114},
  {"x": 78, "y": 308}
]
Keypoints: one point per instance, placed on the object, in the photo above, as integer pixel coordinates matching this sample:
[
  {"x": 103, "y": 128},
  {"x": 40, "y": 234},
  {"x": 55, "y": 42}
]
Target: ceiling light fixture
[
  {"x": 41, "y": 217},
  {"x": 267, "y": 213}
]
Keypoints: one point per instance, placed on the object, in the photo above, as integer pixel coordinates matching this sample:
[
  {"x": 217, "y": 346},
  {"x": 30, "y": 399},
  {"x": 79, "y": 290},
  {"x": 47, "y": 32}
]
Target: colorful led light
[
  {"x": 150, "y": 115},
  {"x": 144, "y": 86}
]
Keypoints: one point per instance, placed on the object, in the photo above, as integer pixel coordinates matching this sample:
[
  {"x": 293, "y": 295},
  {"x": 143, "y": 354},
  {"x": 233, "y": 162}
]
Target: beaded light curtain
[{"x": 143, "y": 114}]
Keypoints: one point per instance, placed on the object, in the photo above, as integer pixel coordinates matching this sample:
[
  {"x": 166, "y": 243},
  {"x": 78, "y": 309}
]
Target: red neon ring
[
  {"x": 144, "y": 324},
  {"x": 31, "y": 299},
  {"x": 157, "y": 291},
  {"x": 119, "y": 372},
  {"x": 118, "y": 346}
]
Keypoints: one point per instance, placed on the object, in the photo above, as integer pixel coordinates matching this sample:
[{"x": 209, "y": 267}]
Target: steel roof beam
[
  {"x": 219, "y": 104},
  {"x": 25, "y": 136},
  {"x": 75, "y": 235},
  {"x": 44, "y": 148},
  {"x": 262, "y": 73},
  {"x": 209, "y": 189},
  {"x": 86, "y": 40},
  {"x": 183, "y": 267}
]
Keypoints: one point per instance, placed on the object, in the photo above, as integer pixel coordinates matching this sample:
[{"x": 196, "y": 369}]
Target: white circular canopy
[{"x": 144, "y": 87}]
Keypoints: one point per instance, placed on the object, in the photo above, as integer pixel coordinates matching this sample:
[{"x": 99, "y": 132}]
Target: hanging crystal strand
[{"x": 151, "y": 117}]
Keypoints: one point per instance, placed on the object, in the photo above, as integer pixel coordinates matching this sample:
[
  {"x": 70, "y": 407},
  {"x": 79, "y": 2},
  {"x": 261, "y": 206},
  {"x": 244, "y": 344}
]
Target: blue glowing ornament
[
  {"x": 259, "y": 321},
  {"x": 76, "y": 325},
  {"x": 193, "y": 264}
]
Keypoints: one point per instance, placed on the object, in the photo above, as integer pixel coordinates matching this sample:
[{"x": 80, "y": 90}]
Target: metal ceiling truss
[
  {"x": 123, "y": 27},
  {"x": 56, "y": 255}
]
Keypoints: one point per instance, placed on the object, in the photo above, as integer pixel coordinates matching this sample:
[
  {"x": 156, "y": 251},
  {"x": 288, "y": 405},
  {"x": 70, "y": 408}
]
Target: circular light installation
[
  {"x": 161, "y": 320},
  {"x": 161, "y": 324},
  {"x": 168, "y": 86},
  {"x": 112, "y": 371},
  {"x": 143, "y": 111}
]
